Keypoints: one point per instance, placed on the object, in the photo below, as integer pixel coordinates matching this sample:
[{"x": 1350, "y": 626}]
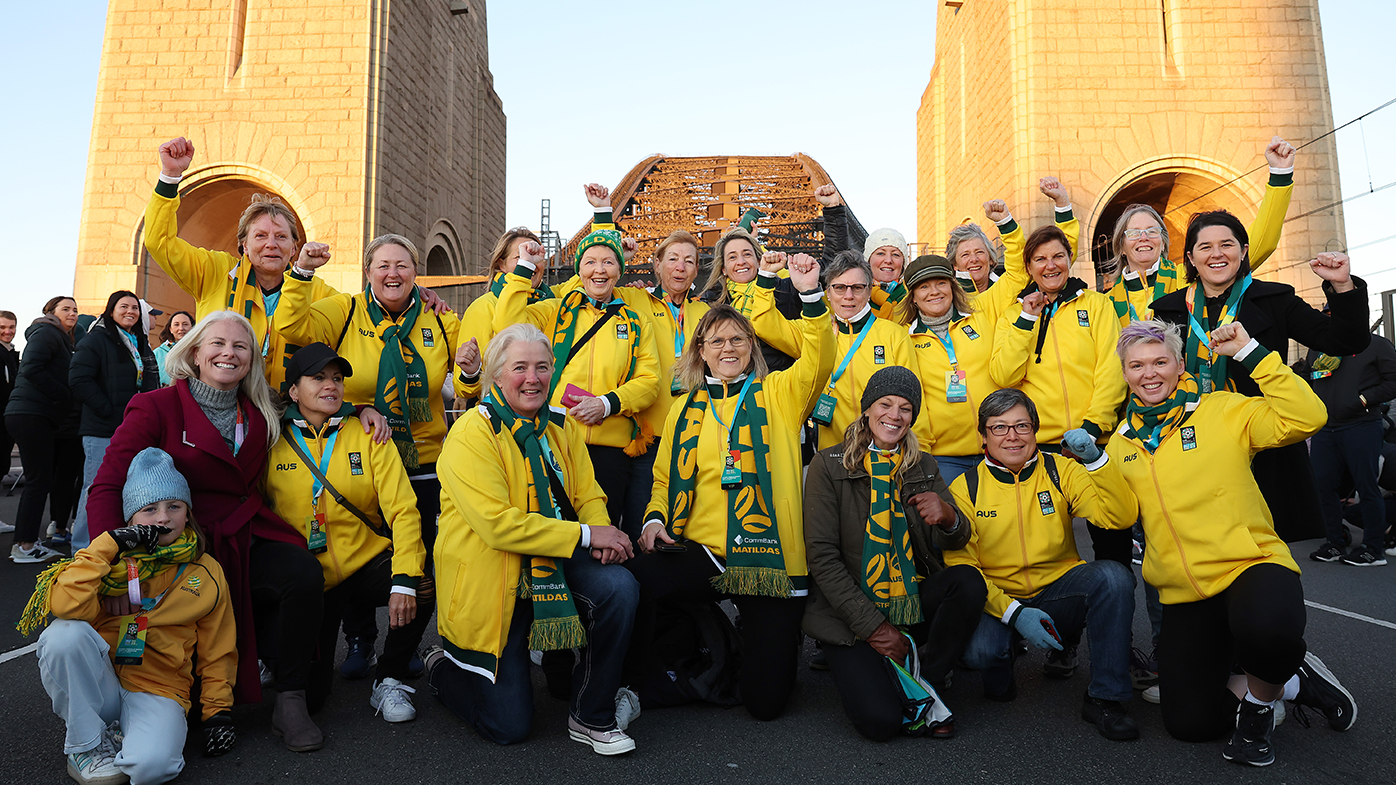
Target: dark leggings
[
  {"x": 360, "y": 621},
  {"x": 52, "y": 468},
  {"x": 952, "y": 601},
  {"x": 1256, "y": 624},
  {"x": 288, "y": 594},
  {"x": 367, "y": 589},
  {"x": 770, "y": 626}
]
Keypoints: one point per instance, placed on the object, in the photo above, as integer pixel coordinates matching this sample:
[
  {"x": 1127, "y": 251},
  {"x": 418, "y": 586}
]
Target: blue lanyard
[
  {"x": 741, "y": 397},
  {"x": 148, "y": 604},
  {"x": 852, "y": 350},
  {"x": 677, "y": 313},
  {"x": 316, "y": 487},
  {"x": 549, "y": 457},
  {"x": 1228, "y": 314},
  {"x": 949, "y": 345},
  {"x": 269, "y": 303}
]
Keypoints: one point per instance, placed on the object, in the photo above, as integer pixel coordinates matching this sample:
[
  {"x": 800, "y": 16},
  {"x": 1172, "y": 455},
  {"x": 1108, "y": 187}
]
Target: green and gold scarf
[
  {"x": 1162, "y": 282},
  {"x": 889, "y": 571},
  {"x": 565, "y": 335},
  {"x": 1152, "y": 424},
  {"x": 543, "y": 292},
  {"x": 555, "y": 621},
  {"x": 755, "y": 558},
  {"x": 148, "y": 564},
  {"x": 401, "y": 373}
]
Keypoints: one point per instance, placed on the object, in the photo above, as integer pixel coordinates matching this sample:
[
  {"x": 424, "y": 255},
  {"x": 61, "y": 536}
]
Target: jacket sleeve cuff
[
  {"x": 298, "y": 274},
  {"x": 767, "y": 280},
  {"x": 525, "y": 269},
  {"x": 612, "y": 402},
  {"x": 1098, "y": 462},
  {"x": 1094, "y": 430},
  {"x": 1251, "y": 354},
  {"x": 1010, "y": 612},
  {"x": 585, "y": 541},
  {"x": 1063, "y": 214},
  {"x": 408, "y": 590},
  {"x": 1007, "y": 225},
  {"x": 1280, "y": 178},
  {"x": 811, "y": 309},
  {"x": 468, "y": 379},
  {"x": 406, "y": 584},
  {"x": 1025, "y": 321},
  {"x": 602, "y": 215},
  {"x": 166, "y": 188}
]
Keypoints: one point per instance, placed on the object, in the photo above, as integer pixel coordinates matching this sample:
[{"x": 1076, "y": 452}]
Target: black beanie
[{"x": 894, "y": 380}]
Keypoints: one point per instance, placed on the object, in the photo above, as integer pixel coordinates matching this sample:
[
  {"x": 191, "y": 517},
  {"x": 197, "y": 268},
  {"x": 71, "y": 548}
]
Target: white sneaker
[
  {"x": 52, "y": 529},
  {"x": 97, "y": 766},
  {"x": 1151, "y": 694},
  {"x": 36, "y": 555},
  {"x": 6, "y": 528},
  {"x": 390, "y": 699},
  {"x": 627, "y": 707},
  {"x": 603, "y": 742}
]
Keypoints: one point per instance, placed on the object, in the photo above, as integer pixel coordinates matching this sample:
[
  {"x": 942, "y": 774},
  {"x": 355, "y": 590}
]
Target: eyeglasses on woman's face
[
  {"x": 736, "y": 342},
  {"x": 1020, "y": 428}
]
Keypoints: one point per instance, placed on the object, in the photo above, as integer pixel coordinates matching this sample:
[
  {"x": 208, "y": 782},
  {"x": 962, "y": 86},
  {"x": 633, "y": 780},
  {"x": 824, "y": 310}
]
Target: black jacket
[
  {"x": 1370, "y": 374},
  {"x": 103, "y": 377},
  {"x": 9, "y": 369},
  {"x": 41, "y": 388}
]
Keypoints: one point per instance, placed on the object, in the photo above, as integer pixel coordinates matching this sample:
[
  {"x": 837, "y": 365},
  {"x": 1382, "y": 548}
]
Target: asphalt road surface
[{"x": 1039, "y": 738}]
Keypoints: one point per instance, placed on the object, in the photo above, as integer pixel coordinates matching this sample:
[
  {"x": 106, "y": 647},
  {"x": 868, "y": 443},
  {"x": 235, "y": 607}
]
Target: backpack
[
  {"x": 1048, "y": 462},
  {"x": 697, "y": 654}
]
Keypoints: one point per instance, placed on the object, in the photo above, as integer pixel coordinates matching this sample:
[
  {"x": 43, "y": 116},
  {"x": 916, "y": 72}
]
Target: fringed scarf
[
  {"x": 1150, "y": 425},
  {"x": 755, "y": 558},
  {"x": 148, "y": 565},
  {"x": 889, "y": 572},
  {"x": 565, "y": 335},
  {"x": 555, "y": 621},
  {"x": 1165, "y": 280},
  {"x": 402, "y": 373}
]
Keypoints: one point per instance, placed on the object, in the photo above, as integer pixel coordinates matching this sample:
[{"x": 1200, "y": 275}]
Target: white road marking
[
  {"x": 20, "y": 652},
  {"x": 1350, "y": 614}
]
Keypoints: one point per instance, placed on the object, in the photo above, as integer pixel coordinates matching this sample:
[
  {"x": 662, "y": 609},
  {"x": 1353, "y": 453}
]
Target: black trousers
[
  {"x": 367, "y": 590},
  {"x": 613, "y": 470},
  {"x": 770, "y": 626},
  {"x": 952, "y": 602},
  {"x": 361, "y": 621},
  {"x": 288, "y": 595},
  {"x": 52, "y": 471},
  {"x": 1256, "y": 624}
]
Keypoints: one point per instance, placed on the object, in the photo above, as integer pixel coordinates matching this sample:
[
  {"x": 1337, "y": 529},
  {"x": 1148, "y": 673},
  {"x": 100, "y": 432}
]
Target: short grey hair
[
  {"x": 499, "y": 349},
  {"x": 970, "y": 231},
  {"x": 1000, "y": 402},
  {"x": 846, "y": 261},
  {"x": 1150, "y": 331}
]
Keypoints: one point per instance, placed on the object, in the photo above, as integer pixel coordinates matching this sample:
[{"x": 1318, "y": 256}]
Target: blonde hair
[
  {"x": 181, "y": 363},
  {"x": 265, "y": 204},
  {"x": 692, "y": 371},
  {"x": 501, "y": 247},
  {"x": 391, "y": 239},
  {"x": 498, "y": 350},
  {"x": 858, "y": 437},
  {"x": 717, "y": 278}
]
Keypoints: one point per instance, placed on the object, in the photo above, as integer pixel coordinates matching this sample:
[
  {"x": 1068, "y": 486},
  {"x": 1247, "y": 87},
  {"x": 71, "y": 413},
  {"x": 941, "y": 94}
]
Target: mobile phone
[
  {"x": 1047, "y": 625},
  {"x": 664, "y": 547}
]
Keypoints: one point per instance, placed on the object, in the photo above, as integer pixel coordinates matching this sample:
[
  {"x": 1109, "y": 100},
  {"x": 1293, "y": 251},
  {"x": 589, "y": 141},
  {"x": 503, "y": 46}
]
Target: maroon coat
[{"x": 227, "y": 501}]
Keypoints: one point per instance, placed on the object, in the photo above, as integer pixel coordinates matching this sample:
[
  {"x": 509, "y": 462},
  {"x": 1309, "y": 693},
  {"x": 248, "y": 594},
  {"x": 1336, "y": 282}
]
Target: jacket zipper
[
  {"x": 1173, "y": 530},
  {"x": 1023, "y": 536},
  {"x": 1061, "y": 373}
]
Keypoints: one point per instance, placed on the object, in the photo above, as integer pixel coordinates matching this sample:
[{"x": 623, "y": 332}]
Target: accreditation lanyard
[
  {"x": 1203, "y": 335},
  {"x": 130, "y": 647},
  {"x": 731, "y": 473},
  {"x": 269, "y": 303},
  {"x": 317, "y": 539},
  {"x": 550, "y": 458},
  {"x": 239, "y": 430},
  {"x": 677, "y": 313},
  {"x": 852, "y": 350},
  {"x": 956, "y": 391}
]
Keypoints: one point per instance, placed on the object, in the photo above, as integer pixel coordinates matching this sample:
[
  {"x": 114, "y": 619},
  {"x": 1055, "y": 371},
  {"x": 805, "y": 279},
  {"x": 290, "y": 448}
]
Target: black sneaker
[
  {"x": 1320, "y": 689},
  {"x": 359, "y": 658},
  {"x": 819, "y": 662},
  {"x": 1143, "y": 669},
  {"x": 1327, "y": 552},
  {"x": 1061, "y": 664},
  {"x": 1111, "y": 718},
  {"x": 1250, "y": 743},
  {"x": 1364, "y": 557}
]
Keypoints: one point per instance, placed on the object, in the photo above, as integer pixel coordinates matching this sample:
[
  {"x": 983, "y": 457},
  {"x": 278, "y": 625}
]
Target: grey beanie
[
  {"x": 152, "y": 478},
  {"x": 894, "y": 380}
]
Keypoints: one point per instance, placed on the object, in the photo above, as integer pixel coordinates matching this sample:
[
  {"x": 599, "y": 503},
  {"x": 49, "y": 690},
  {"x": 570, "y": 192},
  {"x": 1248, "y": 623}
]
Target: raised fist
[
  {"x": 175, "y": 156},
  {"x": 772, "y": 261},
  {"x": 1034, "y": 303},
  {"x": 313, "y": 256},
  {"x": 141, "y": 536},
  {"x": 828, "y": 196},
  {"x": 1230, "y": 338},
  {"x": 996, "y": 210},
  {"x": 468, "y": 357},
  {"x": 804, "y": 272},
  {"x": 629, "y": 246},
  {"x": 531, "y": 252},
  {"x": 598, "y": 195},
  {"x": 1053, "y": 189},
  {"x": 1279, "y": 154},
  {"x": 1332, "y": 266}
]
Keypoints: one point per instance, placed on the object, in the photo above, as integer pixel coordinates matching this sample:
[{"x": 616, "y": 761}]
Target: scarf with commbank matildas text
[
  {"x": 565, "y": 335},
  {"x": 755, "y": 557},
  {"x": 402, "y": 374},
  {"x": 1151, "y": 424},
  {"x": 555, "y": 621},
  {"x": 889, "y": 572},
  {"x": 114, "y": 584}
]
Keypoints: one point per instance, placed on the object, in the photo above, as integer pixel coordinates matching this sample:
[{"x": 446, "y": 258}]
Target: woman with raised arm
[
  {"x": 974, "y": 257},
  {"x": 477, "y": 323},
  {"x": 725, "y": 520}
]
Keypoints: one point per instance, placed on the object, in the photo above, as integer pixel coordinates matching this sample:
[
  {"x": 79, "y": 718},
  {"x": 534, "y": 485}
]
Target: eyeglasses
[
  {"x": 1153, "y": 233},
  {"x": 737, "y": 342},
  {"x": 841, "y": 289},
  {"x": 1001, "y": 429}
]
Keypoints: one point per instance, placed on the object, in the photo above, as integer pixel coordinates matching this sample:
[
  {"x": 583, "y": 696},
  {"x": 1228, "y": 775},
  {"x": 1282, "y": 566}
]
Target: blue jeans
[
  {"x": 952, "y": 466},
  {"x": 1357, "y": 448},
  {"x": 1097, "y": 597},
  {"x": 502, "y": 712},
  {"x": 94, "y": 449}
]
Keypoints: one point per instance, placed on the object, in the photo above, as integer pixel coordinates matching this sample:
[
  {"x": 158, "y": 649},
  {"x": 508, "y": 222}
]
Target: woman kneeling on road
[
  {"x": 875, "y": 509},
  {"x": 132, "y": 725}
]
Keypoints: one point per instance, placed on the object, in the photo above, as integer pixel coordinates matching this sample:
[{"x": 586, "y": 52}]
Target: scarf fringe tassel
[
  {"x": 905, "y": 610},
  {"x": 754, "y": 581},
  {"x": 554, "y": 634},
  {"x": 39, "y": 608}
]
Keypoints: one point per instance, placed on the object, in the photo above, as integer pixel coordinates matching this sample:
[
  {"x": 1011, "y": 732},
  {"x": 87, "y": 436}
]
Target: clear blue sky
[{"x": 839, "y": 82}]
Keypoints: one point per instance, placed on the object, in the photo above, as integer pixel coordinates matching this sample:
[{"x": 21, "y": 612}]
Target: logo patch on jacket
[
  {"x": 356, "y": 464},
  {"x": 1044, "y": 500},
  {"x": 622, "y": 332},
  {"x": 970, "y": 332},
  {"x": 1189, "y": 436},
  {"x": 427, "y": 340},
  {"x": 1083, "y": 318},
  {"x": 879, "y": 355}
]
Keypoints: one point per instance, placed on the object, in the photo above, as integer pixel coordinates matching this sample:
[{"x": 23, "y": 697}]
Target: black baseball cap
[{"x": 311, "y": 358}]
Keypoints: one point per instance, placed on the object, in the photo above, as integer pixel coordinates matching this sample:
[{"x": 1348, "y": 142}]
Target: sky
[{"x": 839, "y": 82}]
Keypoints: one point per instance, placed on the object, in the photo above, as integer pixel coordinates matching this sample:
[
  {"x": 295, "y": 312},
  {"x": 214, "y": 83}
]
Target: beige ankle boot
[{"x": 291, "y": 721}]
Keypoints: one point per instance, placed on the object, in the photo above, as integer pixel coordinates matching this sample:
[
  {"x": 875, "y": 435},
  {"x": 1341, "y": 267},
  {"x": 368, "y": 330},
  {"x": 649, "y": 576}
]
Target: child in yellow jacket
[{"x": 131, "y": 608}]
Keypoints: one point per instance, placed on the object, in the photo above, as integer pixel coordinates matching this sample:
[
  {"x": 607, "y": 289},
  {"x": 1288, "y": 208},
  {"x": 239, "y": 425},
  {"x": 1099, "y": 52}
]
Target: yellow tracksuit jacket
[
  {"x": 602, "y": 366},
  {"x": 486, "y": 538},
  {"x": 887, "y": 344},
  {"x": 343, "y": 322},
  {"x": 219, "y": 281},
  {"x": 1264, "y": 234},
  {"x": 1022, "y": 539},
  {"x": 1205, "y": 521},
  {"x": 1078, "y": 383},
  {"x": 370, "y": 476},
  {"x": 196, "y": 611},
  {"x": 790, "y": 395}
]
